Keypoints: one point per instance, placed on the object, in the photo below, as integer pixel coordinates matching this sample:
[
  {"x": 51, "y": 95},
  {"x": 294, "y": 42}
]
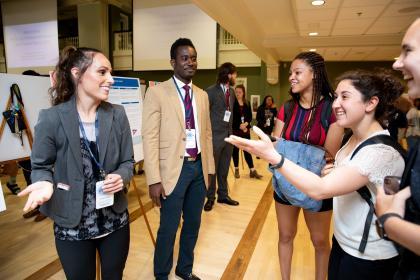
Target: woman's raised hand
[{"x": 38, "y": 192}]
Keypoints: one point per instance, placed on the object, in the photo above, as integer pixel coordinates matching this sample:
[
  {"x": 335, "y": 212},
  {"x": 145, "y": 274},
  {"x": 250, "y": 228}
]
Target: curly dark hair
[
  {"x": 381, "y": 84},
  {"x": 65, "y": 84},
  {"x": 321, "y": 89}
]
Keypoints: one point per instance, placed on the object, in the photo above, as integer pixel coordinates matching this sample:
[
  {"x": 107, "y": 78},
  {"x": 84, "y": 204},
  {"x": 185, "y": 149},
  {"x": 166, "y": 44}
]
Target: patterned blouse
[{"x": 94, "y": 222}]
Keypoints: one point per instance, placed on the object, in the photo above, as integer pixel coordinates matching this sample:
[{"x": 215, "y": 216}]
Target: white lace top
[{"x": 350, "y": 210}]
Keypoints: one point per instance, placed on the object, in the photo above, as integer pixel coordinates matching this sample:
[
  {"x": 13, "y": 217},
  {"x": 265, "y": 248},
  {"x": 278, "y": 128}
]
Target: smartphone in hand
[{"x": 392, "y": 184}]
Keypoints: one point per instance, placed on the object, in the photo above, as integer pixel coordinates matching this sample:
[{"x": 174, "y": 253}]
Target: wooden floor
[{"x": 234, "y": 242}]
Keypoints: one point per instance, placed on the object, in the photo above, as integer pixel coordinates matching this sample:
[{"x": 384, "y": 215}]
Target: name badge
[
  {"x": 191, "y": 143},
  {"x": 62, "y": 186},
  {"x": 226, "y": 118},
  {"x": 103, "y": 199}
]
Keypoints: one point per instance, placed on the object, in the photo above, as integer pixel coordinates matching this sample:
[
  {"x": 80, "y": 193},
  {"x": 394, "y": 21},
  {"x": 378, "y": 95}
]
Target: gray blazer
[
  {"x": 56, "y": 157},
  {"x": 217, "y": 102}
]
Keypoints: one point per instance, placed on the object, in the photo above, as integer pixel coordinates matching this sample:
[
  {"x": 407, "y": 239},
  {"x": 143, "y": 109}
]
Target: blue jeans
[{"x": 186, "y": 199}]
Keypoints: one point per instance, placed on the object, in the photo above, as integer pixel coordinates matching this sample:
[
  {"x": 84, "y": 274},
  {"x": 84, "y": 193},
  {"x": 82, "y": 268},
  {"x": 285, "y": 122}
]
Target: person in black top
[
  {"x": 242, "y": 117},
  {"x": 266, "y": 114}
]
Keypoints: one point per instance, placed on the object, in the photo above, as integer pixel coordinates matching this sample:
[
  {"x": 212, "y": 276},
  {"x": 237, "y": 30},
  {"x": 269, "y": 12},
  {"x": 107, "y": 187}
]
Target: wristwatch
[
  {"x": 380, "y": 224},
  {"x": 278, "y": 165}
]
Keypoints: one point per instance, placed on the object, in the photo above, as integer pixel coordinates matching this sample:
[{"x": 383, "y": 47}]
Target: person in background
[
  {"x": 178, "y": 159},
  {"x": 221, "y": 99},
  {"x": 399, "y": 214},
  {"x": 413, "y": 119},
  {"x": 302, "y": 119},
  {"x": 11, "y": 169},
  {"x": 362, "y": 100},
  {"x": 266, "y": 115},
  {"x": 396, "y": 120},
  {"x": 82, "y": 163},
  {"x": 242, "y": 117}
]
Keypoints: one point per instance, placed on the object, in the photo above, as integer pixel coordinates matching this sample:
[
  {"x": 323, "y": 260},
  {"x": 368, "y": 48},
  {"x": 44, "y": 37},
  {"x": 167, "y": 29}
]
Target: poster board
[
  {"x": 127, "y": 92},
  {"x": 34, "y": 90}
]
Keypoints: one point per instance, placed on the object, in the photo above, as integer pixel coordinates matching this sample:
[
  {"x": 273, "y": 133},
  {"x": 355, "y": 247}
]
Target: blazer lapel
[
  {"x": 70, "y": 123},
  {"x": 105, "y": 116}
]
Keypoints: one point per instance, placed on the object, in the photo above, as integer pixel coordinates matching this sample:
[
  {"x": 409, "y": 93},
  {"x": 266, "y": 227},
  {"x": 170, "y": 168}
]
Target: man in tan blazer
[{"x": 178, "y": 158}]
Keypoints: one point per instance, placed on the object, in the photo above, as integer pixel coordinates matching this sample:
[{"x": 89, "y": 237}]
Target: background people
[
  {"x": 82, "y": 157},
  {"x": 221, "y": 99},
  {"x": 266, "y": 115},
  {"x": 178, "y": 186},
  {"x": 303, "y": 120},
  {"x": 361, "y": 102},
  {"x": 242, "y": 117}
]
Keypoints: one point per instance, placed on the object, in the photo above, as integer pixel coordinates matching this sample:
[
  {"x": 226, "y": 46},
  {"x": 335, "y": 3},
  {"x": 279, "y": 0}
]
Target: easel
[
  {"x": 25, "y": 120},
  {"x": 133, "y": 183}
]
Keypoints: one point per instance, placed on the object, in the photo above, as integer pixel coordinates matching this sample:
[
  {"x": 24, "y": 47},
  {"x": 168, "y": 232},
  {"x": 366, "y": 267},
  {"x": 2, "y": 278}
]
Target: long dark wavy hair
[
  {"x": 65, "y": 85},
  {"x": 321, "y": 89}
]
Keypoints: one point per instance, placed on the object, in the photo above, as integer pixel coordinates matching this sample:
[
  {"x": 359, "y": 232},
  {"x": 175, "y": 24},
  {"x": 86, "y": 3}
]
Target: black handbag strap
[
  {"x": 15, "y": 91},
  {"x": 364, "y": 191}
]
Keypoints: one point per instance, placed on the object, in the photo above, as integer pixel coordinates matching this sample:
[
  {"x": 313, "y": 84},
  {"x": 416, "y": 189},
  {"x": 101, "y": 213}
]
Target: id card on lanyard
[{"x": 102, "y": 199}]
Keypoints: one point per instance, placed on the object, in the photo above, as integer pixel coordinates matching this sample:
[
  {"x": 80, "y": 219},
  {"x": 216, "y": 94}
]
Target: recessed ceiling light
[
  {"x": 318, "y": 2},
  {"x": 313, "y": 33},
  {"x": 395, "y": 58},
  {"x": 312, "y": 50}
]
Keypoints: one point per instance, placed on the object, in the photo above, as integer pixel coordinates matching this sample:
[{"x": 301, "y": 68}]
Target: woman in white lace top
[{"x": 361, "y": 103}]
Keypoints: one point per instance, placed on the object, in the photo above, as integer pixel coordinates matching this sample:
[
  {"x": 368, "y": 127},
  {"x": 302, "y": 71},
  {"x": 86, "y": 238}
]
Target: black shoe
[
  {"x": 32, "y": 213},
  {"x": 188, "y": 276},
  {"x": 14, "y": 188},
  {"x": 229, "y": 201},
  {"x": 209, "y": 205}
]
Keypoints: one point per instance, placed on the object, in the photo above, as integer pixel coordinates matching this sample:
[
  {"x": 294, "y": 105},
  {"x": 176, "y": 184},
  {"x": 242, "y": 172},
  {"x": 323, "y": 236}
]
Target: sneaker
[
  {"x": 254, "y": 174},
  {"x": 237, "y": 176}
]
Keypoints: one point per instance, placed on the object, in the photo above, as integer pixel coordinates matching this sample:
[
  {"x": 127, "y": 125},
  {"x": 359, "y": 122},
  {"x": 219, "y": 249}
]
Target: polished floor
[{"x": 234, "y": 243}]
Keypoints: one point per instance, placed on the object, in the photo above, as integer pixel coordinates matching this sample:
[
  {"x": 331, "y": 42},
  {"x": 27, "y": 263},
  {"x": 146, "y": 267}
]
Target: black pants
[
  {"x": 248, "y": 157},
  {"x": 78, "y": 258},
  {"x": 343, "y": 266}
]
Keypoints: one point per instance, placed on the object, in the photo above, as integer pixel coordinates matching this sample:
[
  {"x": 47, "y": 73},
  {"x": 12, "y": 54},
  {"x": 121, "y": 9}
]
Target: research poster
[{"x": 127, "y": 92}]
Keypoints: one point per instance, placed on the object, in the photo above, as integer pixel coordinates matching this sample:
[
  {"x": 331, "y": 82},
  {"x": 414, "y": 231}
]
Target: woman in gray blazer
[{"x": 82, "y": 162}]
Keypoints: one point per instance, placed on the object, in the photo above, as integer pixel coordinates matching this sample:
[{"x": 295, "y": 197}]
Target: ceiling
[{"x": 349, "y": 30}]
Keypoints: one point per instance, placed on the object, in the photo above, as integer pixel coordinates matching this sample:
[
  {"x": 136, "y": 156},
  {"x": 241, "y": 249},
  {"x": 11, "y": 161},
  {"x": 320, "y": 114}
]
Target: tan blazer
[{"x": 164, "y": 135}]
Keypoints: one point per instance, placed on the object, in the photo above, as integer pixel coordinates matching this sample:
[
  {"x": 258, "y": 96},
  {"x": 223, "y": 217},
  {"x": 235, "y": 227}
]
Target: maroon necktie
[
  {"x": 189, "y": 118},
  {"x": 227, "y": 95}
]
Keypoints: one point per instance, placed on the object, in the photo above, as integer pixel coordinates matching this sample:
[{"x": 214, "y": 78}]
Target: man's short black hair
[{"x": 178, "y": 43}]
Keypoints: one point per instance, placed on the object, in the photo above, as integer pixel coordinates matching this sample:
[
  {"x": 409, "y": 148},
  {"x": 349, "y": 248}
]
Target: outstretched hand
[
  {"x": 39, "y": 193},
  {"x": 262, "y": 148}
]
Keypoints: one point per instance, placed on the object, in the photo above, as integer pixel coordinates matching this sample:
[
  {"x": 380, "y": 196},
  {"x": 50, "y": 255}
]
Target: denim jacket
[{"x": 309, "y": 157}]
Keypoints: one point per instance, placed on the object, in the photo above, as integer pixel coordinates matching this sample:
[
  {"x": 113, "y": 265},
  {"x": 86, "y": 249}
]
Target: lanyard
[
  {"x": 183, "y": 98},
  {"x": 82, "y": 129}
]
